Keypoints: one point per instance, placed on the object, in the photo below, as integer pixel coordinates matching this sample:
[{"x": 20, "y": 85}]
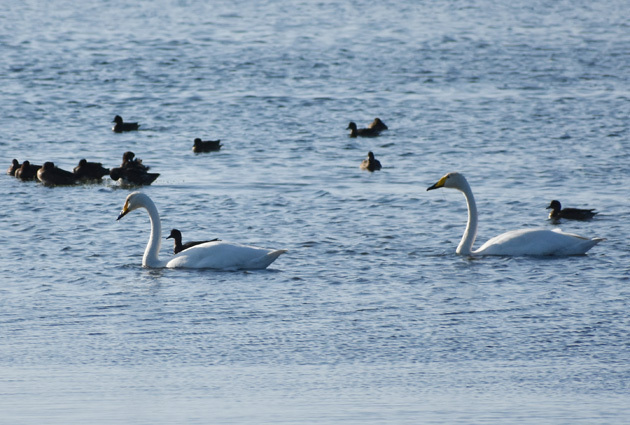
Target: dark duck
[
  {"x": 557, "y": 212},
  {"x": 370, "y": 163},
  {"x": 86, "y": 171},
  {"x": 377, "y": 125},
  {"x": 361, "y": 132},
  {"x": 132, "y": 171},
  {"x": 50, "y": 175},
  {"x": 200, "y": 146},
  {"x": 123, "y": 126},
  {"x": 176, "y": 235},
  {"x": 27, "y": 171}
]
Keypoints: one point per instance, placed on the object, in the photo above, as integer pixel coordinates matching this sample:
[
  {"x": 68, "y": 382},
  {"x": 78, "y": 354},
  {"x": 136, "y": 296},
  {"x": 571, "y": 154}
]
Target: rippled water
[{"x": 370, "y": 317}]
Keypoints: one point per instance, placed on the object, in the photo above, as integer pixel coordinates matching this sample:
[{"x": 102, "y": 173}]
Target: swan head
[
  {"x": 451, "y": 180},
  {"x": 134, "y": 201}
]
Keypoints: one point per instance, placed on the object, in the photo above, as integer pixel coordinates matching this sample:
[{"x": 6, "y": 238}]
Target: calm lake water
[{"x": 371, "y": 317}]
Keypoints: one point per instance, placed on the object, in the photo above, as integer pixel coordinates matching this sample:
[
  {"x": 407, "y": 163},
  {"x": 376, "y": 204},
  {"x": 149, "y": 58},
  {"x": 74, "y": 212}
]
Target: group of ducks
[
  {"x": 131, "y": 172},
  {"x": 374, "y": 129},
  {"x": 199, "y": 145}
]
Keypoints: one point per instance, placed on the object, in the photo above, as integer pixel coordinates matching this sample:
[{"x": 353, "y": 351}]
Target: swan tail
[{"x": 264, "y": 261}]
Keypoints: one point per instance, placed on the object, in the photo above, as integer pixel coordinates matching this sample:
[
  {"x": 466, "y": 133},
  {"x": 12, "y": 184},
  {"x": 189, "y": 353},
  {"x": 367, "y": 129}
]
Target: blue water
[{"x": 370, "y": 317}]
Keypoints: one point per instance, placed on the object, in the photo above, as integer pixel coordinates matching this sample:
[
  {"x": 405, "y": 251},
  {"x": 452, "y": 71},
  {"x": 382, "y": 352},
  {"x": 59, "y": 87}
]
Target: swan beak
[
  {"x": 124, "y": 211},
  {"x": 439, "y": 184}
]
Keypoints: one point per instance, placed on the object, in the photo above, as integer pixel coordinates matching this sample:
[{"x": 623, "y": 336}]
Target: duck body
[
  {"x": 213, "y": 255},
  {"x": 524, "y": 242},
  {"x": 557, "y": 212},
  {"x": 370, "y": 163},
  {"x": 131, "y": 176},
  {"x": 121, "y": 126},
  {"x": 27, "y": 171},
  {"x": 361, "y": 132},
  {"x": 200, "y": 146},
  {"x": 51, "y": 175},
  {"x": 176, "y": 235},
  {"x": 377, "y": 125},
  {"x": 90, "y": 170},
  {"x": 132, "y": 172}
]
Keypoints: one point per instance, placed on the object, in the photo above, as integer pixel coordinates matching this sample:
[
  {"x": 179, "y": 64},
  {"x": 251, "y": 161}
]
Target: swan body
[
  {"x": 522, "y": 242},
  {"x": 213, "y": 255}
]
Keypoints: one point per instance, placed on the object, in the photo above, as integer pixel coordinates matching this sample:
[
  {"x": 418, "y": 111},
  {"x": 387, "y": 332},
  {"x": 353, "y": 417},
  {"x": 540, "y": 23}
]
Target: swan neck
[
  {"x": 468, "y": 239},
  {"x": 150, "y": 258}
]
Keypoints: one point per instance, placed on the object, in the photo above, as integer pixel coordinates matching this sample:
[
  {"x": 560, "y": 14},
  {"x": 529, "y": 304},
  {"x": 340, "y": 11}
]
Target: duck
[
  {"x": 90, "y": 170},
  {"x": 569, "y": 213},
  {"x": 176, "y": 235},
  {"x": 209, "y": 255},
  {"x": 131, "y": 176},
  {"x": 27, "y": 171},
  {"x": 50, "y": 175},
  {"x": 377, "y": 125},
  {"x": 370, "y": 163},
  {"x": 206, "y": 146},
  {"x": 362, "y": 132},
  {"x": 123, "y": 126},
  {"x": 524, "y": 242},
  {"x": 129, "y": 160},
  {"x": 15, "y": 165}
]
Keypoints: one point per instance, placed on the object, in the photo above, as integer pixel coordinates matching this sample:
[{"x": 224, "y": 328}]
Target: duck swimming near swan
[
  {"x": 123, "y": 126},
  {"x": 557, "y": 212},
  {"x": 132, "y": 172},
  {"x": 539, "y": 242},
  {"x": 176, "y": 235},
  {"x": 212, "y": 255},
  {"x": 132, "y": 176}
]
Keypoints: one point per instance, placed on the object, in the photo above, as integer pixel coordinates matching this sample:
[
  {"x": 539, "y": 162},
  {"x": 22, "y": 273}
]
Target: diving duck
[
  {"x": 557, "y": 212},
  {"x": 370, "y": 163},
  {"x": 123, "y": 126}
]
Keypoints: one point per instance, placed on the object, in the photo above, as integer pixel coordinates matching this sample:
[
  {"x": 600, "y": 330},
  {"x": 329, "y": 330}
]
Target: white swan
[
  {"x": 515, "y": 242},
  {"x": 214, "y": 255}
]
